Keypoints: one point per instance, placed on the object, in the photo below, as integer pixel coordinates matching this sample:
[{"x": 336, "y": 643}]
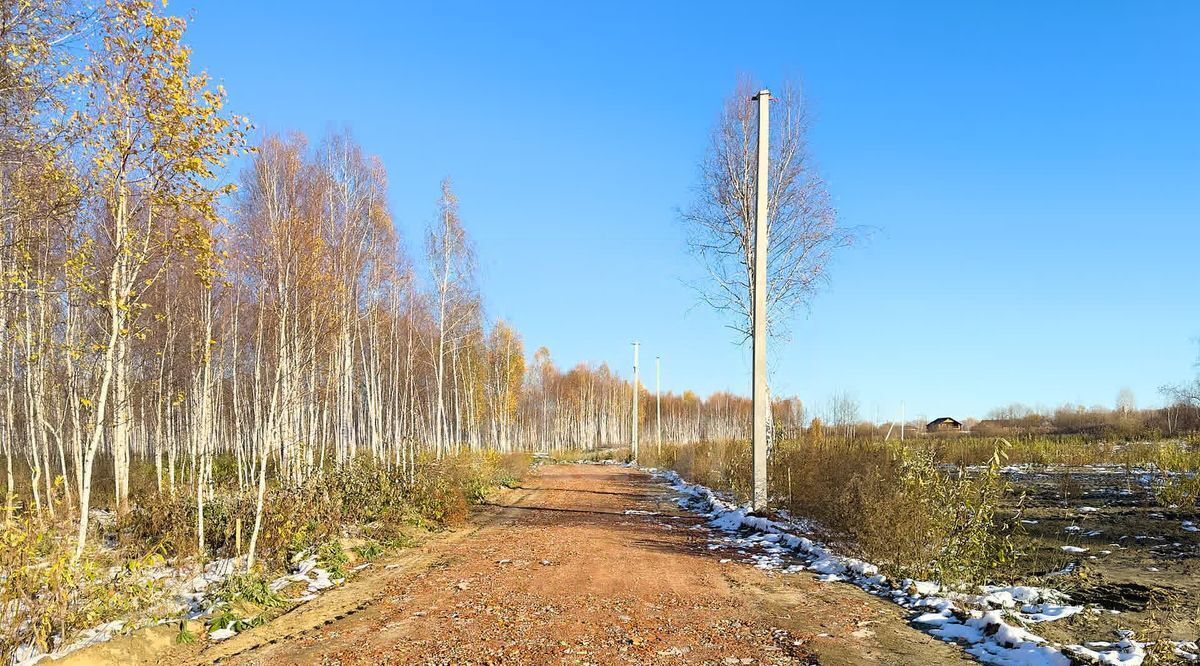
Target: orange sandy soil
[{"x": 556, "y": 572}]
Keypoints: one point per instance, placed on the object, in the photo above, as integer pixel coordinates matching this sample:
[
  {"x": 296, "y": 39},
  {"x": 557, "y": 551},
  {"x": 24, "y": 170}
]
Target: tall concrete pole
[
  {"x": 635, "y": 402},
  {"x": 759, "y": 321},
  {"x": 658, "y": 404}
]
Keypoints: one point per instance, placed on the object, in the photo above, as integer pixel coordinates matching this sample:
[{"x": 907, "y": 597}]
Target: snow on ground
[
  {"x": 187, "y": 594},
  {"x": 992, "y": 623}
]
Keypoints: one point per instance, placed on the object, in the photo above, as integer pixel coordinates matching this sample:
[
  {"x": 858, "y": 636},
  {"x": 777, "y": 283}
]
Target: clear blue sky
[{"x": 1032, "y": 173}]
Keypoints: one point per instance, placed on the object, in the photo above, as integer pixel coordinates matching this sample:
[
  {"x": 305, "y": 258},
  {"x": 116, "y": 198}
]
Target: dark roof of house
[{"x": 944, "y": 419}]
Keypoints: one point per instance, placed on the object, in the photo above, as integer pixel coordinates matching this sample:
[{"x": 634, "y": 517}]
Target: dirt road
[{"x": 585, "y": 564}]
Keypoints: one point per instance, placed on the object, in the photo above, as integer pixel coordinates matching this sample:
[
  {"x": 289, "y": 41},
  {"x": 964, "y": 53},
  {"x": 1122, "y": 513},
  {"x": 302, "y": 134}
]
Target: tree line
[{"x": 157, "y": 310}]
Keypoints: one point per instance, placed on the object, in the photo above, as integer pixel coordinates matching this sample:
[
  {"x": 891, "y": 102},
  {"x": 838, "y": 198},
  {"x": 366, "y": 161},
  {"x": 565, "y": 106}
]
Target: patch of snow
[
  {"x": 980, "y": 622},
  {"x": 187, "y": 595},
  {"x": 1048, "y": 612},
  {"x": 1187, "y": 650}
]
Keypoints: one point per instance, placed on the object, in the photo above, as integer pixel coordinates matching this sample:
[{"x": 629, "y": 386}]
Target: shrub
[
  {"x": 369, "y": 550},
  {"x": 893, "y": 505},
  {"x": 44, "y": 596},
  {"x": 927, "y": 523},
  {"x": 242, "y": 601},
  {"x": 331, "y": 556},
  {"x": 1182, "y": 491},
  {"x": 169, "y": 523},
  {"x": 253, "y": 588}
]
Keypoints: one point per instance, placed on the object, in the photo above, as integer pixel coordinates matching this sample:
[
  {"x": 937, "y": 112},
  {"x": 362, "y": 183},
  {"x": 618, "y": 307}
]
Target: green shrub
[
  {"x": 369, "y": 550},
  {"x": 254, "y": 588},
  {"x": 242, "y": 601},
  {"x": 331, "y": 556}
]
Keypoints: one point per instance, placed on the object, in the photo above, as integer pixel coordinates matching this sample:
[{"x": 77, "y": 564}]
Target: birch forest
[{"x": 190, "y": 308}]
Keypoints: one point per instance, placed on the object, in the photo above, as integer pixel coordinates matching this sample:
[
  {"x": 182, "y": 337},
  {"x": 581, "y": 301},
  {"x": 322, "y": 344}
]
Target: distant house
[{"x": 944, "y": 424}]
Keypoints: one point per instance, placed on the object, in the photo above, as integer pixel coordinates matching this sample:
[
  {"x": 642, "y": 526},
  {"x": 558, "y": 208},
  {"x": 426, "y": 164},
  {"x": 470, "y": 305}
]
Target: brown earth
[
  {"x": 557, "y": 572},
  {"x": 1139, "y": 560}
]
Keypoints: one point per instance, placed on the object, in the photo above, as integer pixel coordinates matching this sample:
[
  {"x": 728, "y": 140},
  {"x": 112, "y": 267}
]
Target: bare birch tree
[
  {"x": 452, "y": 270},
  {"x": 803, "y": 227}
]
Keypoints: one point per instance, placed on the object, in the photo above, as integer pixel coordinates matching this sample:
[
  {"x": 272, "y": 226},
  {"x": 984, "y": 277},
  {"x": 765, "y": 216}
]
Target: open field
[
  {"x": 1101, "y": 534},
  {"x": 1113, "y": 523},
  {"x": 1116, "y": 530}
]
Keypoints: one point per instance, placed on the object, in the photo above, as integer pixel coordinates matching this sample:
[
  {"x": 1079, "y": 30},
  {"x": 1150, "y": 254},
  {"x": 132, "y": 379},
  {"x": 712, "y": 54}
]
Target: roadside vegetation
[
  {"x": 1112, "y": 521},
  {"x": 892, "y": 504},
  {"x": 934, "y": 507},
  {"x": 945, "y": 507},
  {"x": 357, "y": 512},
  {"x": 217, "y": 358},
  {"x": 215, "y": 351}
]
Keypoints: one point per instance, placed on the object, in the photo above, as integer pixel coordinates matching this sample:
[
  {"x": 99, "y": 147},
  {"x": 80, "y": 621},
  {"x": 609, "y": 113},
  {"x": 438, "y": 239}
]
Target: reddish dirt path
[{"x": 559, "y": 573}]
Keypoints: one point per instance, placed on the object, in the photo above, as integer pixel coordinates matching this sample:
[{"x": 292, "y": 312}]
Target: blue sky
[{"x": 1031, "y": 173}]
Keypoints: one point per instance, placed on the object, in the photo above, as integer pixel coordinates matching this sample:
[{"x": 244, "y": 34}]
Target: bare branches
[
  {"x": 1182, "y": 394},
  {"x": 803, "y": 227}
]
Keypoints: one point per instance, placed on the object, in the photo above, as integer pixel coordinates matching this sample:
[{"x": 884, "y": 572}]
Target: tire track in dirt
[
  {"x": 586, "y": 564},
  {"x": 335, "y": 605}
]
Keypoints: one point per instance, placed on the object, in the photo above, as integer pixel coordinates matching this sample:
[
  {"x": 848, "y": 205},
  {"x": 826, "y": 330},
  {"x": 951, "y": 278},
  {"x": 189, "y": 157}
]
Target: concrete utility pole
[
  {"x": 635, "y": 402},
  {"x": 658, "y": 405},
  {"x": 759, "y": 322}
]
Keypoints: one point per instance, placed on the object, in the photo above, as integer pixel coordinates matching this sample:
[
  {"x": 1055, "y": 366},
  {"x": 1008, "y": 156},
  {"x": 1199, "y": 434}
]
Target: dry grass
[
  {"x": 910, "y": 506},
  {"x": 43, "y": 595},
  {"x": 889, "y": 504},
  {"x": 1067, "y": 450}
]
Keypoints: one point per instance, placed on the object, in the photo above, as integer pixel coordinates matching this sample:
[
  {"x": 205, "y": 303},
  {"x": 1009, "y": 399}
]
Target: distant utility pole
[
  {"x": 635, "y": 401},
  {"x": 658, "y": 405},
  {"x": 902, "y": 420},
  {"x": 760, "y": 302}
]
